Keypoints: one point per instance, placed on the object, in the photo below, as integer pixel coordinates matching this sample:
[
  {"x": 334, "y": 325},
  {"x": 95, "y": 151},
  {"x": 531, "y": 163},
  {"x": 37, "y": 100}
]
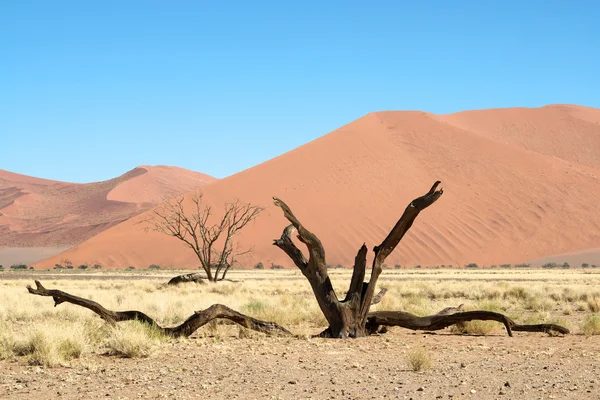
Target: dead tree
[
  {"x": 349, "y": 317},
  {"x": 213, "y": 243}
]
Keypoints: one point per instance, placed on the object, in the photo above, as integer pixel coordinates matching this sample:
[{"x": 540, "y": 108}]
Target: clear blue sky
[{"x": 91, "y": 89}]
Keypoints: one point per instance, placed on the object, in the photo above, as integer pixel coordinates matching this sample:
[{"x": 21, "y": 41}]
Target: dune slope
[
  {"x": 520, "y": 184},
  {"x": 36, "y": 212}
]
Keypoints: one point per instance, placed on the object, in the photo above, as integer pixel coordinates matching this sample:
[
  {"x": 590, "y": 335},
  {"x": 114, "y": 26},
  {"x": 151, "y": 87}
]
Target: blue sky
[{"x": 91, "y": 89}]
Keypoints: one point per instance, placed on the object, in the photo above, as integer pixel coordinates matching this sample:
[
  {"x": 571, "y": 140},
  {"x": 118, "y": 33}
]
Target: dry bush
[
  {"x": 133, "y": 339},
  {"x": 419, "y": 359},
  {"x": 594, "y": 304},
  {"x": 591, "y": 325}
]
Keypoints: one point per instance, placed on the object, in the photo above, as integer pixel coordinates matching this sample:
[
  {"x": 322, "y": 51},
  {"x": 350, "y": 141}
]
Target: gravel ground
[{"x": 527, "y": 366}]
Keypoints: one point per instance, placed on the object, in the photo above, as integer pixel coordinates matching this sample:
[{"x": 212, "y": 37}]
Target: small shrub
[
  {"x": 70, "y": 349},
  {"x": 505, "y": 266},
  {"x": 259, "y": 266},
  {"x": 154, "y": 266},
  {"x": 591, "y": 325},
  {"x": 40, "y": 350},
  {"x": 133, "y": 339},
  {"x": 131, "y": 267},
  {"x": 255, "y": 307},
  {"x": 472, "y": 265},
  {"x": 69, "y": 267},
  {"x": 1, "y": 267},
  {"x": 385, "y": 266},
  {"x": 339, "y": 266},
  {"x": 476, "y": 327},
  {"x": 594, "y": 304},
  {"x": 585, "y": 265},
  {"x": 517, "y": 292},
  {"x": 276, "y": 266},
  {"x": 419, "y": 360},
  {"x": 58, "y": 266},
  {"x": 523, "y": 265},
  {"x": 18, "y": 266},
  {"x": 550, "y": 265},
  {"x": 83, "y": 266},
  {"x": 97, "y": 266},
  {"x": 397, "y": 266},
  {"x": 566, "y": 266}
]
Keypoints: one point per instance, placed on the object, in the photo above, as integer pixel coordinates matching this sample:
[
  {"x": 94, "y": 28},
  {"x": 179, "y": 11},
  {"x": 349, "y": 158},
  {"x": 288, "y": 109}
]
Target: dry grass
[
  {"x": 591, "y": 325},
  {"x": 31, "y": 327},
  {"x": 419, "y": 359},
  {"x": 133, "y": 339}
]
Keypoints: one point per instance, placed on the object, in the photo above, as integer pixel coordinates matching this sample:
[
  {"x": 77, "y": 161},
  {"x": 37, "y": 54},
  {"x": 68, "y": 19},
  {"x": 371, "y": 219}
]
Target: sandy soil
[
  {"x": 520, "y": 184},
  {"x": 41, "y": 213},
  {"x": 527, "y": 366}
]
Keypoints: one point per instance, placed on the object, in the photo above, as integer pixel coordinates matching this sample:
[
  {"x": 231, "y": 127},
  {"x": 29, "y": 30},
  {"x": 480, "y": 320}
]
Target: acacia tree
[{"x": 212, "y": 242}]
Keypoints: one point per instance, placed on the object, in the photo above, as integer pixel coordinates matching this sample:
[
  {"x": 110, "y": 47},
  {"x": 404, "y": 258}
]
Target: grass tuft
[
  {"x": 133, "y": 339},
  {"x": 591, "y": 325},
  {"x": 419, "y": 359}
]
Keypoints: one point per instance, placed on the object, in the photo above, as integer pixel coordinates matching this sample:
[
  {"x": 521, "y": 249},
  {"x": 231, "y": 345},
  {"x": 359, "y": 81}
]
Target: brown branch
[
  {"x": 286, "y": 244},
  {"x": 440, "y": 321},
  {"x": 189, "y": 326},
  {"x": 376, "y": 299},
  {"x": 405, "y": 222},
  {"x": 358, "y": 276},
  {"x": 393, "y": 238},
  {"x": 315, "y": 247}
]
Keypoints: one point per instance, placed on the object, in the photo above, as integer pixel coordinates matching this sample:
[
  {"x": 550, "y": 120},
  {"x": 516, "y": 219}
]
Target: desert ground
[{"x": 67, "y": 351}]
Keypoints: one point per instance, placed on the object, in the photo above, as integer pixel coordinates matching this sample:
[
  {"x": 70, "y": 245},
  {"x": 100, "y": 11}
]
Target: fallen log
[
  {"x": 193, "y": 277},
  {"x": 440, "y": 321},
  {"x": 189, "y": 326}
]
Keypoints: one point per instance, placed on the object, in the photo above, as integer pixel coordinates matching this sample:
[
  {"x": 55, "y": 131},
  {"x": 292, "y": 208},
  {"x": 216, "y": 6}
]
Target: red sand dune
[
  {"x": 36, "y": 212},
  {"x": 520, "y": 184}
]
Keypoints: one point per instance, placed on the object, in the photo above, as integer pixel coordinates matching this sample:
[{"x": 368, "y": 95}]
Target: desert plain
[{"x": 69, "y": 352}]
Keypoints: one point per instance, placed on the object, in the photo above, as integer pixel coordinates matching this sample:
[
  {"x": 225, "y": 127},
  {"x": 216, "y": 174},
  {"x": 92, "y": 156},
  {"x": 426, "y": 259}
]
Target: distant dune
[
  {"x": 520, "y": 184},
  {"x": 42, "y": 214}
]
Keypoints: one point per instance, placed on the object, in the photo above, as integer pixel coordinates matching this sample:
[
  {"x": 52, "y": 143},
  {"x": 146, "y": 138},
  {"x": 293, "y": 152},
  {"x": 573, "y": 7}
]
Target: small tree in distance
[{"x": 213, "y": 243}]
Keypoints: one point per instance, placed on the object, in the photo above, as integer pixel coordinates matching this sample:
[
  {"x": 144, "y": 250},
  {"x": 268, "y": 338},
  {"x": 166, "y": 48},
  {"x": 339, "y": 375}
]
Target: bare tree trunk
[
  {"x": 189, "y": 326},
  {"x": 348, "y": 317}
]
